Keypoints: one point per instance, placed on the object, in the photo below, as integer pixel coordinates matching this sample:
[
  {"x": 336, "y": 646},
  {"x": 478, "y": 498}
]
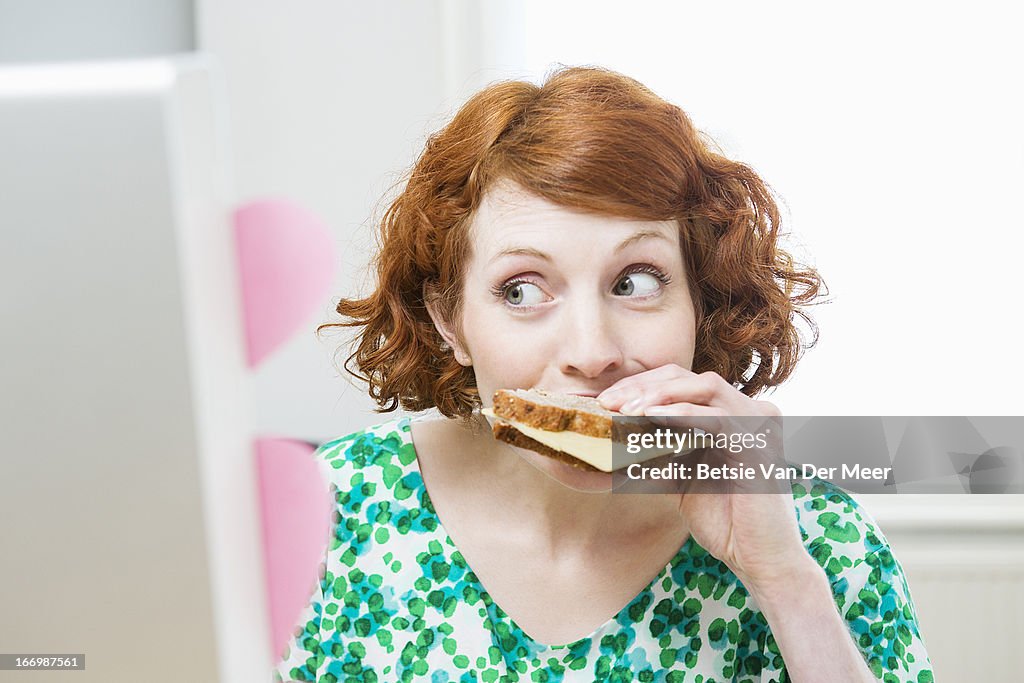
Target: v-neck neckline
[{"x": 495, "y": 610}]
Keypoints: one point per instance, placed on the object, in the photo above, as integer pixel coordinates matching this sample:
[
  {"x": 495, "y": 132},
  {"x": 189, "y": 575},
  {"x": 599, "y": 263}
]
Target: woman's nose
[{"x": 589, "y": 346}]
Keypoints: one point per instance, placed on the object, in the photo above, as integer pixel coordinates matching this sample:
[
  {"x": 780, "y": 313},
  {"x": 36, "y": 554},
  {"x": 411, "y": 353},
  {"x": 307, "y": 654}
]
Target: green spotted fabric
[{"x": 396, "y": 600}]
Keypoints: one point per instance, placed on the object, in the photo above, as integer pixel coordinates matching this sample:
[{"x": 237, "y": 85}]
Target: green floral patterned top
[{"x": 396, "y": 600}]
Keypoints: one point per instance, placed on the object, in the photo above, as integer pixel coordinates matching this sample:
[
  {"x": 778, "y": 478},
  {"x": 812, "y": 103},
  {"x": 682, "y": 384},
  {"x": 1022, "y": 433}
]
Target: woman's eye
[
  {"x": 524, "y": 294},
  {"x": 637, "y": 284}
]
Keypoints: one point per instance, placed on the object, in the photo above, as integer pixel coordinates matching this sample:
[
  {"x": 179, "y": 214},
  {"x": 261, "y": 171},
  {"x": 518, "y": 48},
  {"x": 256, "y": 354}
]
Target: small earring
[{"x": 444, "y": 346}]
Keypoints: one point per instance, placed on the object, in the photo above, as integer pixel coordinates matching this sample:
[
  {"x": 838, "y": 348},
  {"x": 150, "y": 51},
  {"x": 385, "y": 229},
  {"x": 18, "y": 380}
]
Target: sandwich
[{"x": 577, "y": 430}]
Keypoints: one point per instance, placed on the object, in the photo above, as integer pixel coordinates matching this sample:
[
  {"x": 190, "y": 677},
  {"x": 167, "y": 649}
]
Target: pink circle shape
[{"x": 286, "y": 264}]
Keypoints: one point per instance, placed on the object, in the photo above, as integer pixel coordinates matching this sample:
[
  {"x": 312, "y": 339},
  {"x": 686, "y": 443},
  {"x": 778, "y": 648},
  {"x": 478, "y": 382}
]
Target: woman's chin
[{"x": 575, "y": 478}]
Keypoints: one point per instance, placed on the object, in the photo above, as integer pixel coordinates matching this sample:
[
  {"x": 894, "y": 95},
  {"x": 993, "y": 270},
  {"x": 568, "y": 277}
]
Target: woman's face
[{"x": 570, "y": 302}]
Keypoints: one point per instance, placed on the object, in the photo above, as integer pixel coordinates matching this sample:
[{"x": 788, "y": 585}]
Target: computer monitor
[{"x": 129, "y": 524}]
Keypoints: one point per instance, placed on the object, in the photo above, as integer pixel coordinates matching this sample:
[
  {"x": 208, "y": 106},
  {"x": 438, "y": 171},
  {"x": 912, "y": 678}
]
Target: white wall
[
  {"x": 70, "y": 30},
  {"x": 329, "y": 103}
]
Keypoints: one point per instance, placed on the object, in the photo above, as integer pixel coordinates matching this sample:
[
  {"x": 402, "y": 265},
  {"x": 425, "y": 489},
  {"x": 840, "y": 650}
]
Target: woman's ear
[{"x": 445, "y": 327}]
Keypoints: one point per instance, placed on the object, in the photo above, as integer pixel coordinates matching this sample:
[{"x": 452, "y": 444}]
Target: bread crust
[
  {"x": 579, "y": 414},
  {"x": 509, "y": 434}
]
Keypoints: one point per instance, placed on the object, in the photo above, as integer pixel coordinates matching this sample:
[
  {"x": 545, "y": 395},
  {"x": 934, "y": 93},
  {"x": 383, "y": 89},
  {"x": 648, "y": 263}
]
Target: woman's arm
[{"x": 846, "y": 564}]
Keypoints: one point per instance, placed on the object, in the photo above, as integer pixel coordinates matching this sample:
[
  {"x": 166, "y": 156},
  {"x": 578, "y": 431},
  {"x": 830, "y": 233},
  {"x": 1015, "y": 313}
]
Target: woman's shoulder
[
  {"x": 837, "y": 529},
  {"x": 384, "y": 450}
]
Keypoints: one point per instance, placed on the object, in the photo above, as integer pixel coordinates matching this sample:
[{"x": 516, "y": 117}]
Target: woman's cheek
[{"x": 663, "y": 346}]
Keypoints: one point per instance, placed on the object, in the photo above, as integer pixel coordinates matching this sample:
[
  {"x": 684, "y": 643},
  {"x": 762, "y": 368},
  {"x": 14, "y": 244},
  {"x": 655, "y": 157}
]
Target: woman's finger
[
  {"x": 683, "y": 416},
  {"x": 708, "y": 389},
  {"x": 627, "y": 386}
]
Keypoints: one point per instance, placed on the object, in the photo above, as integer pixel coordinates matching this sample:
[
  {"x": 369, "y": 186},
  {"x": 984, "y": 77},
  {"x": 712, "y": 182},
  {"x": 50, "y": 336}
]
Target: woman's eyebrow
[
  {"x": 537, "y": 253},
  {"x": 642, "y": 235},
  {"x": 520, "y": 251}
]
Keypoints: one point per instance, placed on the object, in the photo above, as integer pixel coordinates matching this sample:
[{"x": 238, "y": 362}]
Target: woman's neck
[{"x": 507, "y": 484}]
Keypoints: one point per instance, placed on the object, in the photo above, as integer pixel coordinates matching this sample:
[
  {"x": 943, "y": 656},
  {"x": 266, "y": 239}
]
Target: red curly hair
[{"x": 591, "y": 140}]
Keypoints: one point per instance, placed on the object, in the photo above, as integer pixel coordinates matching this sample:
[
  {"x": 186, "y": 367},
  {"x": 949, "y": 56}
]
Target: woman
[{"x": 581, "y": 237}]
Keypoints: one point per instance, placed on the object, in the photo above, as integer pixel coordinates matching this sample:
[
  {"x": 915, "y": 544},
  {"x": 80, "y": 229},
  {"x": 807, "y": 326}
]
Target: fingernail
[
  {"x": 616, "y": 397},
  {"x": 659, "y": 410},
  {"x": 633, "y": 407}
]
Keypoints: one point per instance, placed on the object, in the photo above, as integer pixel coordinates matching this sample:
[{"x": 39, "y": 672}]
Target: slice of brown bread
[
  {"x": 554, "y": 412},
  {"x": 509, "y": 434}
]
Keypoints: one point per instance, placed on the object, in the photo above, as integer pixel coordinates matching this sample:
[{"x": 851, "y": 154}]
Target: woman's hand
[{"x": 754, "y": 533}]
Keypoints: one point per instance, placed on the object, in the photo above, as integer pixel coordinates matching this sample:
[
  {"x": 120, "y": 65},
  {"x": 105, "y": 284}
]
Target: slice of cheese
[{"x": 592, "y": 450}]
